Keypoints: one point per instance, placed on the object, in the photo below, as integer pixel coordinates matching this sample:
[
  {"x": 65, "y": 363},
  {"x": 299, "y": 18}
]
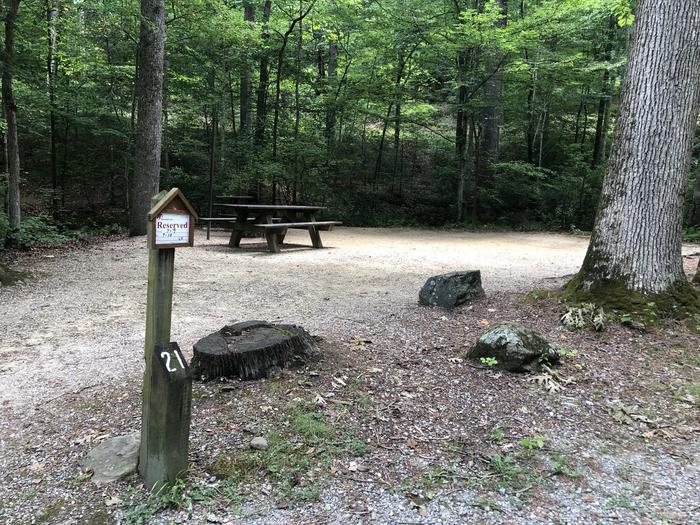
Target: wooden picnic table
[
  {"x": 274, "y": 220},
  {"x": 233, "y": 199}
]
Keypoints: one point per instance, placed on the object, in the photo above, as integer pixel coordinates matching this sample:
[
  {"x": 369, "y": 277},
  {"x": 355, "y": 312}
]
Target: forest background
[{"x": 390, "y": 112}]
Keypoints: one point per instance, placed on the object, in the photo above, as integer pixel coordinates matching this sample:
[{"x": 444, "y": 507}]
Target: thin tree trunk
[
  {"x": 246, "y": 117},
  {"x": 530, "y": 132},
  {"x": 149, "y": 89},
  {"x": 280, "y": 70},
  {"x": 212, "y": 129},
  {"x": 233, "y": 106},
  {"x": 695, "y": 211},
  {"x": 51, "y": 72},
  {"x": 166, "y": 120},
  {"x": 261, "y": 103},
  {"x": 331, "y": 109},
  {"x": 491, "y": 115},
  {"x": 603, "y": 102},
  {"x": 636, "y": 240},
  {"x": 10, "y": 107},
  {"x": 397, "y": 128}
]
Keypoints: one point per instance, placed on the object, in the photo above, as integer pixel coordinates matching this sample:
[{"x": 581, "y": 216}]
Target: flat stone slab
[
  {"x": 114, "y": 458},
  {"x": 451, "y": 289}
]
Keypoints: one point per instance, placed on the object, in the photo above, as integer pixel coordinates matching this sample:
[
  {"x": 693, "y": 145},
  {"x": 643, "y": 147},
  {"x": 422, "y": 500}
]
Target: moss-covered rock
[{"x": 514, "y": 348}]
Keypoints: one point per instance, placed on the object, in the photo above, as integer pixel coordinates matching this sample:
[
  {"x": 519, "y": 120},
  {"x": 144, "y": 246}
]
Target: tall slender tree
[
  {"x": 51, "y": 72},
  {"x": 246, "y": 96},
  {"x": 635, "y": 248},
  {"x": 263, "y": 78},
  {"x": 149, "y": 93},
  {"x": 10, "y": 107}
]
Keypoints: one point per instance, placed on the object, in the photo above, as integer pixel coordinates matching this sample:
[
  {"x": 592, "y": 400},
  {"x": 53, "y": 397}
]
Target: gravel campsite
[{"x": 393, "y": 425}]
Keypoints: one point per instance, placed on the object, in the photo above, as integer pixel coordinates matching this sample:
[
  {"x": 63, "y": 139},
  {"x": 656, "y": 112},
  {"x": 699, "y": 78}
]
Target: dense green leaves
[{"x": 369, "y": 99}]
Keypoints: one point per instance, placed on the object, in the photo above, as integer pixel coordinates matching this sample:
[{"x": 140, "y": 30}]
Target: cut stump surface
[{"x": 252, "y": 350}]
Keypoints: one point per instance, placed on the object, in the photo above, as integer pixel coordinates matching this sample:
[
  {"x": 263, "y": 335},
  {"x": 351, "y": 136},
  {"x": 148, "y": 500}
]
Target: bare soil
[{"x": 393, "y": 426}]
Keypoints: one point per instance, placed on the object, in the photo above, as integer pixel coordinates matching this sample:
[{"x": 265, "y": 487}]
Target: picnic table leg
[
  {"x": 238, "y": 230},
  {"x": 274, "y": 239},
  {"x": 236, "y": 236},
  {"x": 313, "y": 231},
  {"x": 315, "y": 237}
]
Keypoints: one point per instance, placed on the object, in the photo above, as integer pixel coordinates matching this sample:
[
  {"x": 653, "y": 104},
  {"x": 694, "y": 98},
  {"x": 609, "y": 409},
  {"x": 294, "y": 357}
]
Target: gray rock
[
  {"x": 451, "y": 289},
  {"x": 114, "y": 458},
  {"x": 515, "y": 348},
  {"x": 259, "y": 443}
]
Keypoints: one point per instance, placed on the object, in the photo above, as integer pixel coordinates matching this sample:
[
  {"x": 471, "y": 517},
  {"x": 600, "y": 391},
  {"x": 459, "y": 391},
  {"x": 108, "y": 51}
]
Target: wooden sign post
[{"x": 167, "y": 384}]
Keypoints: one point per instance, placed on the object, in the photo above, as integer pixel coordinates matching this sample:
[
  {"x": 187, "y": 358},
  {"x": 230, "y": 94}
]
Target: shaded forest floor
[{"x": 393, "y": 426}]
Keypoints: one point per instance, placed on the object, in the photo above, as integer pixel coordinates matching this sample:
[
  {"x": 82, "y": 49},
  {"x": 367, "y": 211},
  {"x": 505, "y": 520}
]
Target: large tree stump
[{"x": 252, "y": 350}]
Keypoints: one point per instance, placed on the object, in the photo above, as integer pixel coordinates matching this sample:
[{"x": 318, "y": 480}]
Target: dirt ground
[{"x": 403, "y": 429}]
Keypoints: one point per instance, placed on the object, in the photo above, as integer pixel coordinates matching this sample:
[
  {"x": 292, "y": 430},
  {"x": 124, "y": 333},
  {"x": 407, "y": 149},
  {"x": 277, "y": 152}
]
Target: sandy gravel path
[{"x": 79, "y": 323}]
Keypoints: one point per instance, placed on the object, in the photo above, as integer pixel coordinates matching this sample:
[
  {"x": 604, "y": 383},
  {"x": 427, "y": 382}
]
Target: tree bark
[
  {"x": 261, "y": 102},
  {"x": 246, "y": 117},
  {"x": 331, "y": 109},
  {"x": 695, "y": 211},
  {"x": 51, "y": 72},
  {"x": 601, "y": 128},
  {"x": 491, "y": 115},
  {"x": 10, "y": 107},
  {"x": 635, "y": 246},
  {"x": 149, "y": 89}
]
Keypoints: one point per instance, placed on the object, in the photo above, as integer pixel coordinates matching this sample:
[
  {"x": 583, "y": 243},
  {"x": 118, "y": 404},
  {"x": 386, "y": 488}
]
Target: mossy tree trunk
[{"x": 635, "y": 247}]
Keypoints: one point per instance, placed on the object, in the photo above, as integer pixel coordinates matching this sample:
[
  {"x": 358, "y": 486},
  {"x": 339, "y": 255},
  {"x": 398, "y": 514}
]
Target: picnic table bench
[
  {"x": 222, "y": 217},
  {"x": 264, "y": 219}
]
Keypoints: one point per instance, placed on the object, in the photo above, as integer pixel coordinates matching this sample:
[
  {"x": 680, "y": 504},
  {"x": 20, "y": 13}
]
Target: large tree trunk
[
  {"x": 246, "y": 85},
  {"x": 635, "y": 248},
  {"x": 8, "y": 99},
  {"x": 149, "y": 90}
]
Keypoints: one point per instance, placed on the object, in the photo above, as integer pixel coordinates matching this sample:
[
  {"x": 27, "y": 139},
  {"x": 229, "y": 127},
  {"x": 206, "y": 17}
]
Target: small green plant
[
  {"x": 506, "y": 468},
  {"x": 535, "y": 442},
  {"x": 496, "y": 434},
  {"x": 180, "y": 495},
  {"x": 561, "y": 467},
  {"x": 619, "y": 501},
  {"x": 488, "y": 361},
  {"x": 563, "y": 352},
  {"x": 356, "y": 446}
]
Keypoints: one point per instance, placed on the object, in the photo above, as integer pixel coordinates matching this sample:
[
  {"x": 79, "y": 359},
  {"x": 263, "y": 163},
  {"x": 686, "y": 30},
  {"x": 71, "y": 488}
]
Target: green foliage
[
  {"x": 496, "y": 434},
  {"x": 488, "y": 361},
  {"x": 535, "y": 442},
  {"x": 680, "y": 301},
  {"x": 389, "y": 159},
  {"x": 563, "y": 352},
  {"x": 692, "y": 234},
  {"x": 180, "y": 495},
  {"x": 585, "y": 315},
  {"x": 43, "y": 231}
]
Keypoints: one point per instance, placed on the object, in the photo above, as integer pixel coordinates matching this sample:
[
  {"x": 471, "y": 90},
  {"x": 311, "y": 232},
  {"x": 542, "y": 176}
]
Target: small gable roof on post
[{"x": 174, "y": 200}]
